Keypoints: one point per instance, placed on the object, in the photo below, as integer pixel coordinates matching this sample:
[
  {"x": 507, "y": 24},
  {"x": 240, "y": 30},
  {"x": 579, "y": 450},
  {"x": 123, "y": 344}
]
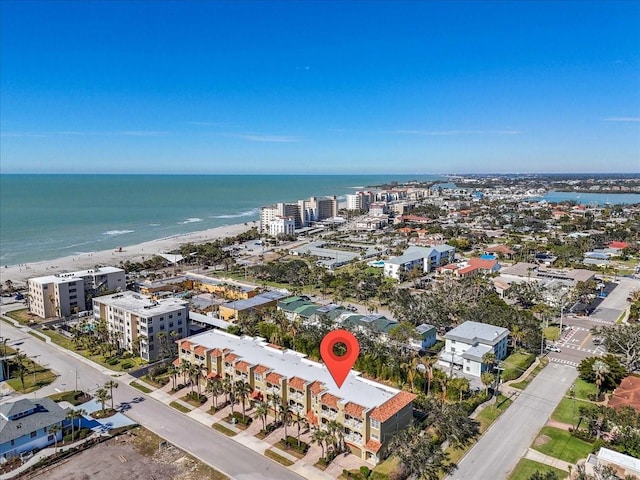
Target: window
[
  {"x": 179, "y": 322},
  {"x": 162, "y": 326},
  {"x": 150, "y": 329},
  {"x": 170, "y": 324},
  {"x": 180, "y": 330},
  {"x": 33, "y": 434},
  {"x": 179, "y": 314},
  {"x": 171, "y": 315},
  {"x": 375, "y": 436},
  {"x": 375, "y": 424}
]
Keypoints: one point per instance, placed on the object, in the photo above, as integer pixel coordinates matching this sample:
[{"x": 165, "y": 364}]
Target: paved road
[
  {"x": 234, "y": 459},
  {"x": 501, "y": 447}
]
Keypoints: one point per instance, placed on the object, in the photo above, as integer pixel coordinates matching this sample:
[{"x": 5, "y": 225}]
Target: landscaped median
[
  {"x": 222, "y": 429},
  {"x": 142, "y": 388},
  {"x": 278, "y": 458}
]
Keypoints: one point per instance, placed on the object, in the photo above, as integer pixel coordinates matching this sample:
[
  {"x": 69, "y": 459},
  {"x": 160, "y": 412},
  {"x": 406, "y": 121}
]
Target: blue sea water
[{"x": 43, "y": 217}]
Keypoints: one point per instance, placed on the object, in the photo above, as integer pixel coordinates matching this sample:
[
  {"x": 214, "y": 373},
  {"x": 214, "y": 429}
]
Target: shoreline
[{"x": 19, "y": 274}]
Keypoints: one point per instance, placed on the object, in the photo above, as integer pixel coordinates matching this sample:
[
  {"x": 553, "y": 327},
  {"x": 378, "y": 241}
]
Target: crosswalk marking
[{"x": 565, "y": 362}]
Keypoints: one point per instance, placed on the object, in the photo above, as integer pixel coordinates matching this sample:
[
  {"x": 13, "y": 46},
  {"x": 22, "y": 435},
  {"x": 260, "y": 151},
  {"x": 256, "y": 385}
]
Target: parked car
[{"x": 553, "y": 348}]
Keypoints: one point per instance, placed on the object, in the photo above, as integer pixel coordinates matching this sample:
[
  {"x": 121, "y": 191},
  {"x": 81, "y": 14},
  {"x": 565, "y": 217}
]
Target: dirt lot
[{"x": 131, "y": 456}]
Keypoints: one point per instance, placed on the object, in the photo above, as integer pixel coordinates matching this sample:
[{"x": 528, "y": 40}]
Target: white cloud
[
  {"x": 436, "y": 133},
  {"x": 623, "y": 119}
]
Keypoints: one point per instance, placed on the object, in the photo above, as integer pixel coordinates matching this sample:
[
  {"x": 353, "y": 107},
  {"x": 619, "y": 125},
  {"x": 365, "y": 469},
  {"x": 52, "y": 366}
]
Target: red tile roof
[
  {"x": 499, "y": 249},
  {"x": 354, "y": 409},
  {"x": 311, "y": 417},
  {"x": 200, "y": 350},
  {"x": 186, "y": 345},
  {"x": 273, "y": 345},
  {"x": 392, "y": 406},
  {"x": 316, "y": 387},
  {"x": 274, "y": 377},
  {"x": 483, "y": 263},
  {"x": 216, "y": 352},
  {"x": 260, "y": 369},
  {"x": 329, "y": 400},
  {"x": 627, "y": 394},
  {"x": 213, "y": 375},
  {"x": 373, "y": 446},
  {"x": 176, "y": 362},
  {"x": 242, "y": 366},
  {"x": 620, "y": 245},
  {"x": 297, "y": 383},
  {"x": 256, "y": 395},
  {"x": 230, "y": 357}
]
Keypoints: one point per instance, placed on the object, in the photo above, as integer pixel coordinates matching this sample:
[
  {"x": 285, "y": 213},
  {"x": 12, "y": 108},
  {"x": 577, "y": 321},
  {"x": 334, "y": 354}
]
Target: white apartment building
[
  {"x": 425, "y": 258},
  {"x": 136, "y": 320},
  {"x": 466, "y": 345},
  {"x": 282, "y": 226},
  {"x": 359, "y": 201},
  {"x": 317, "y": 209},
  {"x": 271, "y": 212},
  {"x": 63, "y": 294}
]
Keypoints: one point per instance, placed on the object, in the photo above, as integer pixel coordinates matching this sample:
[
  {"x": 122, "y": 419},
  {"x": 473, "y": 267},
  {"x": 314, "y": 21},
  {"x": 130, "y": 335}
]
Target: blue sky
[{"x": 319, "y": 87}]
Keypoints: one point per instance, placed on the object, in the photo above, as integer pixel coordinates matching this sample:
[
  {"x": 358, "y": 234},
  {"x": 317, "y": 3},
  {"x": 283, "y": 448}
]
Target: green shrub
[
  {"x": 127, "y": 355},
  {"x": 365, "y": 471},
  {"x": 112, "y": 361},
  {"x": 126, "y": 365}
]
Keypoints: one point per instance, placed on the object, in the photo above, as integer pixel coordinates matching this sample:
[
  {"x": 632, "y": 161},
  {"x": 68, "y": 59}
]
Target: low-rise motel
[{"x": 370, "y": 413}]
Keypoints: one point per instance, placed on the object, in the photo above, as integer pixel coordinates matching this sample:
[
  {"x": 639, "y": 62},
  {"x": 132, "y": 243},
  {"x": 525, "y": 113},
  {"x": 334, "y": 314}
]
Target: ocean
[{"x": 43, "y": 217}]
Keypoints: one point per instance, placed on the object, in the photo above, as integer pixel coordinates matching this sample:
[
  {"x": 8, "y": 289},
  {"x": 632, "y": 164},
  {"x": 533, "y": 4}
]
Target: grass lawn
[
  {"x": 67, "y": 343},
  {"x": 278, "y": 458},
  {"x": 584, "y": 389},
  {"x": 525, "y": 383},
  {"x": 180, "y": 407},
  {"x": 516, "y": 364},
  {"x": 141, "y": 387},
  {"x": 43, "y": 377},
  {"x": 222, "y": 429},
  {"x": 72, "y": 396},
  {"x": 560, "y": 444},
  {"x": 564, "y": 412},
  {"x": 490, "y": 413},
  {"x": 23, "y": 317},
  {"x": 526, "y": 468},
  {"x": 388, "y": 467}
]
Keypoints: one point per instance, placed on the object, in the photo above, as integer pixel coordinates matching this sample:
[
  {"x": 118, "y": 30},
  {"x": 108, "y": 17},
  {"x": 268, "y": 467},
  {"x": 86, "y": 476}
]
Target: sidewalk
[{"x": 547, "y": 460}]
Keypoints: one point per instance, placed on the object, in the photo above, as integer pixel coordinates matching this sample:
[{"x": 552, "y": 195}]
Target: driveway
[{"x": 501, "y": 447}]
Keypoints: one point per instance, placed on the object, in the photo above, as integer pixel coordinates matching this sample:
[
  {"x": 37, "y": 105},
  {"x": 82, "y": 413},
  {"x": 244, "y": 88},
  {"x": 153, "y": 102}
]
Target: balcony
[
  {"x": 332, "y": 414},
  {"x": 353, "y": 423},
  {"x": 353, "y": 438},
  {"x": 296, "y": 395},
  {"x": 299, "y": 409}
]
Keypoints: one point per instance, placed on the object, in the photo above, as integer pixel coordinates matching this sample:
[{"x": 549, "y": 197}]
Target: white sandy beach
[{"x": 19, "y": 274}]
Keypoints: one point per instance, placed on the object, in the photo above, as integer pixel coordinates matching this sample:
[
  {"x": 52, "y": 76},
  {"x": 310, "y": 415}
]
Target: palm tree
[
  {"x": 214, "y": 387},
  {"x": 299, "y": 421},
  {"x": 600, "y": 370},
  {"x": 173, "y": 371},
  {"x": 276, "y": 399},
  {"x": 261, "y": 411},
  {"x": 227, "y": 388},
  {"x": 21, "y": 369},
  {"x": 285, "y": 414},
  {"x": 185, "y": 366},
  {"x": 489, "y": 358},
  {"x": 320, "y": 436},
  {"x": 111, "y": 384},
  {"x": 72, "y": 415},
  {"x": 102, "y": 395},
  {"x": 487, "y": 378},
  {"x": 243, "y": 390},
  {"x": 54, "y": 430},
  {"x": 194, "y": 376},
  {"x": 335, "y": 431},
  {"x": 463, "y": 386}
]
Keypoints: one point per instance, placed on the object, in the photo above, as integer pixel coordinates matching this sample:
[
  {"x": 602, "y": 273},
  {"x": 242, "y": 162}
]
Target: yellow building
[{"x": 369, "y": 412}]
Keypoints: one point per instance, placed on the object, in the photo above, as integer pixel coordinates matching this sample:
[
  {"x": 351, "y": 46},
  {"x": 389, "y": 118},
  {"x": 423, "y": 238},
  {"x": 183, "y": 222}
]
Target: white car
[{"x": 553, "y": 348}]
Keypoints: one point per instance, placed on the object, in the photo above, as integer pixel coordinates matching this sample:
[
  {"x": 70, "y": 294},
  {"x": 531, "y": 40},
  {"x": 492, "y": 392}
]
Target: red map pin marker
[{"x": 339, "y": 366}]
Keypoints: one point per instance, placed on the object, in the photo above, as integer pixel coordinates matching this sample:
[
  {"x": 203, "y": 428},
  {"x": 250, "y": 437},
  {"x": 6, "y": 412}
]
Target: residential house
[
  {"x": 25, "y": 426},
  {"x": 370, "y": 413},
  {"x": 426, "y": 336},
  {"x": 231, "y": 310},
  {"x": 468, "y": 343},
  {"x": 624, "y": 465}
]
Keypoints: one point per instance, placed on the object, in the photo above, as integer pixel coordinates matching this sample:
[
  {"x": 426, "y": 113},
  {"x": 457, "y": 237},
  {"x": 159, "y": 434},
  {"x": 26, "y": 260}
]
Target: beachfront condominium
[
  {"x": 359, "y": 201},
  {"x": 304, "y": 212},
  {"x": 282, "y": 226},
  {"x": 368, "y": 413},
  {"x": 142, "y": 325},
  {"x": 63, "y": 294}
]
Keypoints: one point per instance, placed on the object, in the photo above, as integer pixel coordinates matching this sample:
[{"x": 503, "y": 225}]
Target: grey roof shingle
[{"x": 12, "y": 425}]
